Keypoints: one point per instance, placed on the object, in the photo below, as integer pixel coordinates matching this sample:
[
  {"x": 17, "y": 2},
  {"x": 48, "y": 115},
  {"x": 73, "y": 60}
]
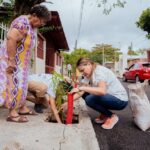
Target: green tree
[
  {"x": 19, "y": 7},
  {"x": 142, "y": 51},
  {"x": 6, "y": 11},
  {"x": 144, "y": 22},
  {"x": 16, "y": 8},
  {"x": 131, "y": 51},
  {"x": 23, "y": 7},
  {"x": 108, "y": 5},
  {"x": 106, "y": 52},
  {"x": 73, "y": 57},
  {"x": 110, "y": 54}
]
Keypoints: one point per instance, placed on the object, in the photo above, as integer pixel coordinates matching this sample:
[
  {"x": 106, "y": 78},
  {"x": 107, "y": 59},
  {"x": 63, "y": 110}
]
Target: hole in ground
[{"x": 75, "y": 119}]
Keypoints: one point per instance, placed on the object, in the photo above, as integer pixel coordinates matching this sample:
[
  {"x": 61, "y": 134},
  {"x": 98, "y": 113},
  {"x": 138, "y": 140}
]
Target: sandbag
[{"x": 140, "y": 105}]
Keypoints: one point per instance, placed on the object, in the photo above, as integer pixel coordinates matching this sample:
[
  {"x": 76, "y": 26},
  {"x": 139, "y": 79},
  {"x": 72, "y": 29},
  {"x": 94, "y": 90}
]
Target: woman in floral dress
[{"x": 15, "y": 60}]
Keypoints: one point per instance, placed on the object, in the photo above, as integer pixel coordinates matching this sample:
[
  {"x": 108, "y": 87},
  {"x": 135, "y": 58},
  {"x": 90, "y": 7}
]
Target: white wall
[
  {"x": 40, "y": 66},
  {"x": 40, "y": 63},
  {"x": 123, "y": 61},
  {"x": 58, "y": 69},
  {"x": 122, "y": 64}
]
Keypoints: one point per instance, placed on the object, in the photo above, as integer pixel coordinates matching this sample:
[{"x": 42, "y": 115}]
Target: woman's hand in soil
[{"x": 74, "y": 90}]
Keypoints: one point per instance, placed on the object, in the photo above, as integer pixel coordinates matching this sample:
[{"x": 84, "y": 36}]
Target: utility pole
[
  {"x": 103, "y": 55},
  {"x": 115, "y": 62},
  {"x": 115, "y": 58}
]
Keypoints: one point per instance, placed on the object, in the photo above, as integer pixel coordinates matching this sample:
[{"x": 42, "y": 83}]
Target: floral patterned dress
[{"x": 13, "y": 87}]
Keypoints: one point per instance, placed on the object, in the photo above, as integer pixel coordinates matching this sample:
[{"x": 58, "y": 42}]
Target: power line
[
  {"x": 80, "y": 21},
  {"x": 74, "y": 28}
]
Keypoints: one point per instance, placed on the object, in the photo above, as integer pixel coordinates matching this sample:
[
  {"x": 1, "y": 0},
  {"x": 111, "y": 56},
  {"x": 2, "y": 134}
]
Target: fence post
[{"x": 3, "y": 32}]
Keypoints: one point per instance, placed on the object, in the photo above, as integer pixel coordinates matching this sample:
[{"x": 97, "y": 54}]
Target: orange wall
[
  {"x": 130, "y": 62},
  {"x": 148, "y": 55}
]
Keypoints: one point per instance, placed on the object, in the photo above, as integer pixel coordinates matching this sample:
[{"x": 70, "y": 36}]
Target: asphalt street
[{"x": 125, "y": 135}]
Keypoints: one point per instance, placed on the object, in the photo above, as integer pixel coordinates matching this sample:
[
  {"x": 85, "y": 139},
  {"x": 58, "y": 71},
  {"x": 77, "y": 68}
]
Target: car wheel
[
  {"x": 137, "y": 79},
  {"x": 124, "y": 79}
]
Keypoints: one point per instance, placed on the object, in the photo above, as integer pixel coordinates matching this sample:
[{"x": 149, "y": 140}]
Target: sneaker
[
  {"x": 110, "y": 122},
  {"x": 100, "y": 119},
  {"x": 38, "y": 108}
]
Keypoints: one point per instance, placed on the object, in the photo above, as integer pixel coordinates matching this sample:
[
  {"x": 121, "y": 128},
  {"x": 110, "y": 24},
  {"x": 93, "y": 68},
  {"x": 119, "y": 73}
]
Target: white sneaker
[{"x": 110, "y": 122}]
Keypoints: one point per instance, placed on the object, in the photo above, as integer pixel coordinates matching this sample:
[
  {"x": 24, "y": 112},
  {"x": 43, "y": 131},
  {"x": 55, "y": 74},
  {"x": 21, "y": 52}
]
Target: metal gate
[{"x": 3, "y": 32}]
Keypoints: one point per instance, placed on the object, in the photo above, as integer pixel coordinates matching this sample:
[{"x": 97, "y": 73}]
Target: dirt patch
[{"x": 75, "y": 119}]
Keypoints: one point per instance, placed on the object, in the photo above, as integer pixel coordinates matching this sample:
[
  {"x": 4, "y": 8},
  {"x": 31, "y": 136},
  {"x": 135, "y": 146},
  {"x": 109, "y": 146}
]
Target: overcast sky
[{"x": 118, "y": 28}]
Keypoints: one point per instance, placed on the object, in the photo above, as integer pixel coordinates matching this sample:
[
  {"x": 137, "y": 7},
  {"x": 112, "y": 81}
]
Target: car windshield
[{"x": 146, "y": 65}]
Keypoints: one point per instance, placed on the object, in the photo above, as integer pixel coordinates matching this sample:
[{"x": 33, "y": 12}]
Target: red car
[{"x": 138, "y": 72}]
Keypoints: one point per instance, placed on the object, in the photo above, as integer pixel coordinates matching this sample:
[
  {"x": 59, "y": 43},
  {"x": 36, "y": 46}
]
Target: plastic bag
[{"x": 140, "y": 105}]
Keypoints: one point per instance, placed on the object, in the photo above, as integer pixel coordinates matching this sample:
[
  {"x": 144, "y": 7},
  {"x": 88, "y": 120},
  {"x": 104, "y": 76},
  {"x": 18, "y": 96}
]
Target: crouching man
[{"x": 41, "y": 92}]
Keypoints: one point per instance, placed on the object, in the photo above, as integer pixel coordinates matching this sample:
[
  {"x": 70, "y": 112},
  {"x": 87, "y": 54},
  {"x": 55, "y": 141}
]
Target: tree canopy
[
  {"x": 144, "y": 22},
  {"x": 6, "y": 11},
  {"x": 104, "y": 52},
  {"x": 72, "y": 58},
  {"x": 108, "y": 5},
  {"x": 18, "y": 7},
  {"x": 98, "y": 52}
]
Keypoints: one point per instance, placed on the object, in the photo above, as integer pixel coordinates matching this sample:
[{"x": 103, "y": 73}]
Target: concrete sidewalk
[{"x": 40, "y": 135}]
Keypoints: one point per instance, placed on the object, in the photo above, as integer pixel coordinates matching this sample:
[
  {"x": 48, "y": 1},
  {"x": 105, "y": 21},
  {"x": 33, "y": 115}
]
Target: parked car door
[
  {"x": 130, "y": 72},
  {"x": 146, "y": 71},
  {"x": 137, "y": 71}
]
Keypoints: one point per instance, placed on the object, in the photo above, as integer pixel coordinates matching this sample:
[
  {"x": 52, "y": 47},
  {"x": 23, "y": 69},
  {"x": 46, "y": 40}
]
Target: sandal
[
  {"x": 30, "y": 112},
  {"x": 18, "y": 119}
]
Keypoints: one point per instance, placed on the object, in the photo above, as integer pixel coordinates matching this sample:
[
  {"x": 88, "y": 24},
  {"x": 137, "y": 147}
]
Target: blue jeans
[{"x": 103, "y": 103}]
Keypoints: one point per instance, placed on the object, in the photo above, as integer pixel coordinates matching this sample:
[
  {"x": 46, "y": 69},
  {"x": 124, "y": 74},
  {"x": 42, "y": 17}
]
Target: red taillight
[{"x": 146, "y": 70}]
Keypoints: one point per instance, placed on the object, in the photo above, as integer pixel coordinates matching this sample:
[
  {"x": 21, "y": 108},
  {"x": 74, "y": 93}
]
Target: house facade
[
  {"x": 126, "y": 61},
  {"x": 47, "y": 57}
]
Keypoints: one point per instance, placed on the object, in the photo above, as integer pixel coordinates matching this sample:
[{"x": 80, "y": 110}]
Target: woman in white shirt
[{"x": 104, "y": 93}]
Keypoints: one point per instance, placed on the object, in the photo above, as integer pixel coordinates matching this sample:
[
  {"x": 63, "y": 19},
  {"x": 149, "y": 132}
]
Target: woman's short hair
[
  {"x": 83, "y": 61},
  {"x": 41, "y": 12}
]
